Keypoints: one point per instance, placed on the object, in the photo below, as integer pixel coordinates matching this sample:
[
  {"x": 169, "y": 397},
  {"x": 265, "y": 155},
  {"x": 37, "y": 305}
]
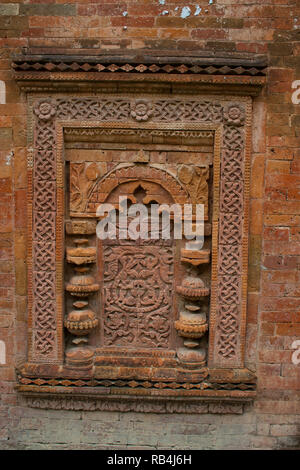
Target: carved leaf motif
[
  {"x": 83, "y": 177},
  {"x": 76, "y": 195},
  {"x": 195, "y": 179}
]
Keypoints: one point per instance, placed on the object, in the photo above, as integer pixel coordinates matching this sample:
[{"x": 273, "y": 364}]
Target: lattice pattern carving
[
  {"x": 44, "y": 231},
  {"x": 232, "y": 165},
  {"x": 78, "y": 108},
  {"x": 230, "y": 259},
  {"x": 44, "y": 165},
  {"x": 44, "y": 135},
  {"x": 44, "y": 341},
  {"x": 120, "y": 109},
  {"x": 44, "y": 285},
  {"x": 45, "y": 196},
  {"x": 233, "y": 138},
  {"x": 204, "y": 111},
  {"x": 230, "y": 229},
  {"x": 230, "y": 233},
  {"x": 229, "y": 291},
  {"x": 44, "y": 311},
  {"x": 231, "y": 196},
  {"x": 228, "y": 326},
  {"x": 44, "y": 226},
  {"x": 44, "y": 256},
  {"x": 178, "y": 110}
]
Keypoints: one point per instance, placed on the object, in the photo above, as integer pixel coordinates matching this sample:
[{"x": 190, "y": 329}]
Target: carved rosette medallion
[{"x": 141, "y": 110}]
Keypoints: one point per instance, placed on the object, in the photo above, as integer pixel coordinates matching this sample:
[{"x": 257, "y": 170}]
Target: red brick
[
  {"x": 273, "y": 310},
  {"x": 280, "y": 262},
  {"x": 279, "y": 276},
  {"x": 208, "y": 34},
  {"x": 6, "y": 280},
  {"x": 287, "y": 207},
  {"x": 173, "y": 33},
  {"x": 288, "y": 329},
  {"x": 293, "y": 193},
  {"x": 33, "y": 33},
  {"x": 281, "y": 140},
  {"x": 268, "y": 370},
  {"x": 246, "y": 47},
  {"x": 252, "y": 307},
  {"x": 282, "y": 181},
  {"x": 279, "y": 383},
  {"x": 5, "y": 185},
  {"x": 256, "y": 217},
  {"x": 295, "y": 167},
  {"x": 257, "y": 176},
  {"x": 267, "y": 328},
  {"x": 275, "y": 166},
  {"x": 295, "y": 233},
  {"x": 20, "y": 209},
  {"x": 283, "y": 23},
  {"x": 276, "y": 194},
  {"x": 279, "y": 87},
  {"x": 277, "y": 303},
  {"x": 280, "y": 75},
  {"x": 276, "y": 233},
  {"x": 277, "y": 407},
  {"x": 141, "y": 22},
  {"x": 282, "y": 220},
  {"x": 275, "y": 356},
  {"x": 284, "y": 290},
  {"x": 281, "y": 248},
  {"x": 139, "y": 9},
  {"x": 5, "y": 121},
  {"x": 289, "y": 370},
  {"x": 279, "y": 317},
  {"x": 281, "y": 153}
]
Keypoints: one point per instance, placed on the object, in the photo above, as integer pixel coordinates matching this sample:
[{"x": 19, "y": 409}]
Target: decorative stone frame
[{"x": 45, "y": 379}]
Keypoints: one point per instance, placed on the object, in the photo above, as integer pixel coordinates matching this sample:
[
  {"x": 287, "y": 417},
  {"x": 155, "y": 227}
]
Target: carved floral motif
[
  {"x": 45, "y": 109},
  {"x": 195, "y": 179},
  {"x": 138, "y": 295},
  {"x": 82, "y": 178},
  {"x": 234, "y": 114},
  {"x": 141, "y": 110}
]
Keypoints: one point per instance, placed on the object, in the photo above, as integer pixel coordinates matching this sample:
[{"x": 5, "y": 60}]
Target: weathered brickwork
[{"x": 246, "y": 27}]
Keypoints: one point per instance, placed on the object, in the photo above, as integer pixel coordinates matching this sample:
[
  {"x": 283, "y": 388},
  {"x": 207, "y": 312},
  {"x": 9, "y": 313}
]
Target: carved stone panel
[
  {"x": 103, "y": 312},
  {"x": 138, "y": 292}
]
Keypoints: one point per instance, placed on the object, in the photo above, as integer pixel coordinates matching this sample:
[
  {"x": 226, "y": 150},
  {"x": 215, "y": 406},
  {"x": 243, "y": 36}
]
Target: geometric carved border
[{"x": 230, "y": 119}]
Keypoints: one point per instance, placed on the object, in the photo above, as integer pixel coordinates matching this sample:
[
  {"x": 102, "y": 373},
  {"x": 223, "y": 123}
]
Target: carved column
[{"x": 82, "y": 319}]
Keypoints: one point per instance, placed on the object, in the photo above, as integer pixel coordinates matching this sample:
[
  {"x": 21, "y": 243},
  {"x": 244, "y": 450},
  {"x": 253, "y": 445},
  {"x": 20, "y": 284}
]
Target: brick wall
[{"x": 271, "y": 27}]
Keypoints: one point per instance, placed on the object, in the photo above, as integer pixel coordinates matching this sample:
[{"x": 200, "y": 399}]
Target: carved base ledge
[
  {"x": 78, "y": 399},
  {"x": 216, "y": 391}
]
